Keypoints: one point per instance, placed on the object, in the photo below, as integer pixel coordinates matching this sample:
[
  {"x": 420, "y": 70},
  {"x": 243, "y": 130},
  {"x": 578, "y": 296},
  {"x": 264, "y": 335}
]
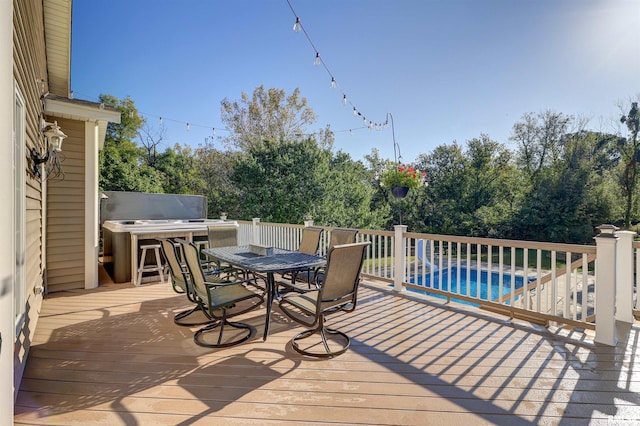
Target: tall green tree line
[{"x": 554, "y": 181}]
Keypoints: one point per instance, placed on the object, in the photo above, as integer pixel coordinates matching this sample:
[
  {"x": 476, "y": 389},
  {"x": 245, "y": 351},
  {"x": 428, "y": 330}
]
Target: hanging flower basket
[
  {"x": 400, "y": 191},
  {"x": 401, "y": 178}
]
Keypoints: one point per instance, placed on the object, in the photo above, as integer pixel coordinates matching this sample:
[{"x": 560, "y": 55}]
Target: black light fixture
[{"x": 54, "y": 137}]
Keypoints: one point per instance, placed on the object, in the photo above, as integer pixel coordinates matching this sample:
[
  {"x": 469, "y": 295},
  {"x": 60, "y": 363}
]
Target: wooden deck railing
[{"x": 541, "y": 282}]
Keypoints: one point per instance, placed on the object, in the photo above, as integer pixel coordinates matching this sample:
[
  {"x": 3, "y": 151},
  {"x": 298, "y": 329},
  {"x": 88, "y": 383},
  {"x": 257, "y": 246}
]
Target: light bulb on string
[
  {"x": 297, "y": 27},
  {"x": 188, "y": 127},
  {"x": 160, "y": 121},
  {"x": 213, "y": 131}
]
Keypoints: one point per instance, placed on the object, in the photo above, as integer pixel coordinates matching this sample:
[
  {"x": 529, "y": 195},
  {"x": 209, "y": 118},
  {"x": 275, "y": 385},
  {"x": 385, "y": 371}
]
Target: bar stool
[{"x": 144, "y": 267}]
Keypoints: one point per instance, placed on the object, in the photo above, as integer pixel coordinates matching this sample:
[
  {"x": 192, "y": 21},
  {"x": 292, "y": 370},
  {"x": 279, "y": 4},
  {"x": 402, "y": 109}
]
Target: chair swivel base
[
  {"x": 323, "y": 335},
  {"x": 180, "y": 316},
  {"x": 248, "y": 331}
]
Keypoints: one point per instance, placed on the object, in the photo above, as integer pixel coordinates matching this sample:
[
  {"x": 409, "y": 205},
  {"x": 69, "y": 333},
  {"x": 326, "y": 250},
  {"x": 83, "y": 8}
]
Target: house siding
[
  {"x": 30, "y": 73},
  {"x": 66, "y": 214}
]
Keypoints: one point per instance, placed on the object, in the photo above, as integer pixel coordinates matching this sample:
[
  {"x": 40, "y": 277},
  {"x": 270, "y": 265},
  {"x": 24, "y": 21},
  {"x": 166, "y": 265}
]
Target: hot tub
[{"x": 118, "y": 236}]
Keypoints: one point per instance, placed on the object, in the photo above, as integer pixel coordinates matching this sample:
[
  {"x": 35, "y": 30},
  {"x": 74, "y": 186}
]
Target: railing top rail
[
  {"x": 326, "y": 228},
  {"x": 574, "y": 248},
  {"x": 277, "y": 225}
]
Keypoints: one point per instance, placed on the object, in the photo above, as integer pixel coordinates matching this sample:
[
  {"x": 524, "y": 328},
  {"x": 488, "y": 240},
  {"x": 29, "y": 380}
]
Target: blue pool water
[{"x": 478, "y": 288}]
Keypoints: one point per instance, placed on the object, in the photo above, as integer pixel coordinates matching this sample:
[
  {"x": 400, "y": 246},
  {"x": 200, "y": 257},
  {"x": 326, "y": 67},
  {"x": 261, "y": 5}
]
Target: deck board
[{"x": 113, "y": 356}]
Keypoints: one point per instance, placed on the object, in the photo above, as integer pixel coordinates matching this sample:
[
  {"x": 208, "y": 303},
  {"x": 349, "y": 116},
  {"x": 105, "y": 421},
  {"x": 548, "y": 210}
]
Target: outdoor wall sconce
[{"x": 54, "y": 137}]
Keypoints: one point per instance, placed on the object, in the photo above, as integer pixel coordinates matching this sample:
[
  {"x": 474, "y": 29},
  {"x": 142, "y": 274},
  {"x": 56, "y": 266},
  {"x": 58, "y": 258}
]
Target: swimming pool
[{"x": 477, "y": 288}]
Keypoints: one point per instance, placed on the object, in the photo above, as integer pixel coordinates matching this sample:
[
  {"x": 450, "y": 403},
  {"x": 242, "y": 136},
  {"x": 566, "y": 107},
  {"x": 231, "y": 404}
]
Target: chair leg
[
  {"x": 322, "y": 331},
  {"x": 249, "y": 331},
  {"x": 177, "y": 319}
]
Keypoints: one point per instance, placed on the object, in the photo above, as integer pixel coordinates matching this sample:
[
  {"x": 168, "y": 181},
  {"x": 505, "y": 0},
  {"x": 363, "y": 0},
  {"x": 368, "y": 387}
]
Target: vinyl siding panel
[
  {"x": 65, "y": 214},
  {"x": 30, "y": 75}
]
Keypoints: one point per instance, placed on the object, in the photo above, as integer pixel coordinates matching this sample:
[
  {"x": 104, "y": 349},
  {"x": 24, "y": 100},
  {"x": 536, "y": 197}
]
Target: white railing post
[
  {"x": 605, "y": 290},
  {"x": 255, "y": 230},
  {"x": 400, "y": 248},
  {"x": 624, "y": 276},
  {"x": 308, "y": 221}
]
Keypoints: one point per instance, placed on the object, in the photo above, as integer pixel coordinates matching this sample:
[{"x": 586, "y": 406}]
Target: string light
[
  {"x": 160, "y": 121},
  {"x": 298, "y": 27},
  {"x": 188, "y": 127}
]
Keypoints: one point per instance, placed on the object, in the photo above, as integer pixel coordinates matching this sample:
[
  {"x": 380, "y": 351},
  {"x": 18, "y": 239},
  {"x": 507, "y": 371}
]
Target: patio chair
[
  {"x": 309, "y": 244},
  {"x": 221, "y": 236},
  {"x": 342, "y": 236},
  {"x": 180, "y": 282},
  {"x": 338, "y": 293},
  {"x": 338, "y": 236},
  {"x": 222, "y": 300}
]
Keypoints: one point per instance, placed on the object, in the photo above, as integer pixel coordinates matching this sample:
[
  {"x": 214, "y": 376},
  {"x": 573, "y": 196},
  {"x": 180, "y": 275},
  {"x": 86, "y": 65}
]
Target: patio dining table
[{"x": 280, "y": 261}]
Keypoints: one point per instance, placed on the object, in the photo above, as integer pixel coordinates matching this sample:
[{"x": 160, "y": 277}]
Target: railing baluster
[
  {"x": 569, "y": 301},
  {"x": 468, "y": 269},
  {"x": 458, "y": 266},
  {"x": 489, "y": 271},
  {"x": 513, "y": 276},
  {"x": 500, "y": 272},
  {"x": 554, "y": 285},
  {"x": 525, "y": 264},
  {"x": 585, "y": 288}
]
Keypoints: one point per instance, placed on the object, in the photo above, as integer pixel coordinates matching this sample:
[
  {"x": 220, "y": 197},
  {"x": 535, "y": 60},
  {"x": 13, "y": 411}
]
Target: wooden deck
[{"x": 113, "y": 356}]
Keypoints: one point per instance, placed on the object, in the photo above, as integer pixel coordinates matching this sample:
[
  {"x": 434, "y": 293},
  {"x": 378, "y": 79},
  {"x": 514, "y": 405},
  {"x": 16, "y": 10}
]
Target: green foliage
[
  {"x": 629, "y": 150},
  {"x": 558, "y": 184},
  {"x": 403, "y": 175},
  {"x": 471, "y": 192},
  {"x": 215, "y": 168},
  {"x": 283, "y": 182},
  {"x": 562, "y": 201},
  {"x": 347, "y": 201},
  {"x": 268, "y": 115},
  {"x": 121, "y": 162},
  {"x": 177, "y": 168}
]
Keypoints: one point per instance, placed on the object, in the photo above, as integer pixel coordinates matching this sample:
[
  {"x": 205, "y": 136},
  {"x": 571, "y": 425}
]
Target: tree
[
  {"x": 120, "y": 161},
  {"x": 470, "y": 191},
  {"x": 151, "y": 138},
  {"x": 284, "y": 181},
  {"x": 443, "y": 208},
  {"x": 215, "y": 168},
  {"x": 539, "y": 139},
  {"x": 281, "y": 182},
  {"x": 347, "y": 201},
  {"x": 630, "y": 152},
  {"x": 269, "y": 115},
  {"x": 179, "y": 172},
  {"x": 564, "y": 200}
]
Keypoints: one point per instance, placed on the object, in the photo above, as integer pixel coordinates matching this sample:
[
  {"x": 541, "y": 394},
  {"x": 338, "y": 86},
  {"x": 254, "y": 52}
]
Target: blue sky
[{"x": 445, "y": 69}]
